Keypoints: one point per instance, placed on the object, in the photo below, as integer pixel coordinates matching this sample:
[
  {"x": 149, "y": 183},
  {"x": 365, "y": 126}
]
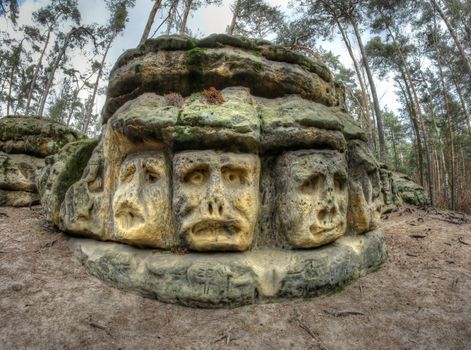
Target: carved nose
[
  {"x": 329, "y": 210},
  {"x": 215, "y": 207}
]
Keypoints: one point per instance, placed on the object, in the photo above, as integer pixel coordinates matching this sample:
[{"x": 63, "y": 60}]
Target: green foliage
[{"x": 258, "y": 19}]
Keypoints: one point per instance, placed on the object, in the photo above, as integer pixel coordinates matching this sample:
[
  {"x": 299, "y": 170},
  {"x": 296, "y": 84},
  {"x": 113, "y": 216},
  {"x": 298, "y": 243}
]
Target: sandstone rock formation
[
  {"x": 24, "y": 144},
  {"x": 409, "y": 191},
  {"x": 236, "y": 152}
]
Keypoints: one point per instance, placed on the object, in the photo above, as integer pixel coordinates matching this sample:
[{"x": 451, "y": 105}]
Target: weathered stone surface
[
  {"x": 409, "y": 191},
  {"x": 142, "y": 212},
  {"x": 34, "y": 136},
  {"x": 216, "y": 199},
  {"x": 312, "y": 193},
  {"x": 63, "y": 170},
  {"x": 233, "y": 124},
  {"x": 391, "y": 199},
  {"x": 146, "y": 117},
  {"x": 18, "y": 198},
  {"x": 365, "y": 200},
  {"x": 221, "y": 62},
  {"x": 295, "y": 122},
  {"x": 82, "y": 211},
  {"x": 232, "y": 279},
  {"x": 17, "y": 172}
]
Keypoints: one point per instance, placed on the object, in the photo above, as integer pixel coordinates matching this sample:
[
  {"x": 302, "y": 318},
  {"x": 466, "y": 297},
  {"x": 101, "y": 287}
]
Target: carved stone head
[
  {"x": 215, "y": 199},
  {"x": 82, "y": 209},
  {"x": 312, "y": 197},
  {"x": 365, "y": 200},
  {"x": 141, "y": 203}
]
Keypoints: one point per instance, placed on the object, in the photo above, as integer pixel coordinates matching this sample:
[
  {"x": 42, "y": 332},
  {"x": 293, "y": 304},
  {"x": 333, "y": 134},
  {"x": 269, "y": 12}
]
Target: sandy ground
[{"x": 420, "y": 299}]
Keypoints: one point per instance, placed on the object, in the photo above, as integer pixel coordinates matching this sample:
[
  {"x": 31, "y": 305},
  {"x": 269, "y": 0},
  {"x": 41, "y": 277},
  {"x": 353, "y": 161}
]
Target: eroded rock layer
[
  {"x": 184, "y": 65},
  {"x": 232, "y": 279}
]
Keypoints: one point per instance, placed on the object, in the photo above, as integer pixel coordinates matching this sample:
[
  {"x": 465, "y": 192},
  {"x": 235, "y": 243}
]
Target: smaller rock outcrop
[
  {"x": 24, "y": 144},
  {"x": 409, "y": 191}
]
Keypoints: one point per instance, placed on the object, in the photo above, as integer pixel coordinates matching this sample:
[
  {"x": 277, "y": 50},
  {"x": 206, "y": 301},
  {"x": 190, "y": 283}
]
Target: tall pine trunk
[
  {"x": 364, "y": 92},
  {"x": 377, "y": 109},
  {"x": 186, "y": 13},
  {"x": 150, "y": 21},
  {"x": 36, "y": 72},
  {"x": 171, "y": 16},
  {"x": 235, "y": 14},
  {"x": 454, "y": 36},
  {"x": 89, "y": 108}
]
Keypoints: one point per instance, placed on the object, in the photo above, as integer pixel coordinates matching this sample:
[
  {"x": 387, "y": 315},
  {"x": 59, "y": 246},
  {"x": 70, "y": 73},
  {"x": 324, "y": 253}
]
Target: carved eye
[
  {"x": 196, "y": 177},
  {"x": 151, "y": 175},
  {"x": 127, "y": 173},
  {"x": 234, "y": 176},
  {"x": 312, "y": 184},
  {"x": 339, "y": 183}
]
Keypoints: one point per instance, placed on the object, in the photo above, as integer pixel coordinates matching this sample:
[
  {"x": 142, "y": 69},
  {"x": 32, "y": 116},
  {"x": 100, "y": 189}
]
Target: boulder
[
  {"x": 409, "y": 191},
  {"x": 34, "y": 136},
  {"x": 17, "y": 172}
]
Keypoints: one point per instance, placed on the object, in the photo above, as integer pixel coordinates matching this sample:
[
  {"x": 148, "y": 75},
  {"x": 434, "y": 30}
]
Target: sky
[{"x": 208, "y": 20}]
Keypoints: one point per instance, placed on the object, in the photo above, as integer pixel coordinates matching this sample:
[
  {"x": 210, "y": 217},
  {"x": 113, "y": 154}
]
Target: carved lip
[
  {"x": 318, "y": 230},
  {"x": 226, "y": 227},
  {"x": 128, "y": 216}
]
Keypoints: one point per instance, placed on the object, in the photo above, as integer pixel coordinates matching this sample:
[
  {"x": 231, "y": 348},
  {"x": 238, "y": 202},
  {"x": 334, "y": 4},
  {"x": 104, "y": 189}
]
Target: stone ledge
[{"x": 232, "y": 279}]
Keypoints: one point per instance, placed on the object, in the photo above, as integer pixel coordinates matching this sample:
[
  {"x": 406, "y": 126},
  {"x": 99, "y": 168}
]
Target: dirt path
[{"x": 420, "y": 299}]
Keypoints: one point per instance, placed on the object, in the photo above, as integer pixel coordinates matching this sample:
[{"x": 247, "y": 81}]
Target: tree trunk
[
  {"x": 54, "y": 67},
  {"x": 464, "y": 56},
  {"x": 10, "y": 88},
  {"x": 150, "y": 21},
  {"x": 171, "y": 17},
  {"x": 410, "y": 84},
  {"x": 89, "y": 109},
  {"x": 415, "y": 126},
  {"x": 235, "y": 14},
  {"x": 36, "y": 72},
  {"x": 377, "y": 109},
  {"x": 188, "y": 4},
  {"x": 463, "y": 104},
  {"x": 364, "y": 93},
  {"x": 452, "y": 139}
]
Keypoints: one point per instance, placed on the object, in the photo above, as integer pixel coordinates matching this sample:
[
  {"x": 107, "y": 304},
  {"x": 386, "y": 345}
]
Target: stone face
[
  {"x": 365, "y": 200},
  {"x": 34, "y": 136},
  {"x": 17, "y": 172},
  {"x": 141, "y": 203},
  {"x": 63, "y": 170},
  {"x": 82, "y": 211},
  {"x": 216, "y": 199},
  {"x": 391, "y": 199},
  {"x": 312, "y": 197},
  {"x": 232, "y": 279}
]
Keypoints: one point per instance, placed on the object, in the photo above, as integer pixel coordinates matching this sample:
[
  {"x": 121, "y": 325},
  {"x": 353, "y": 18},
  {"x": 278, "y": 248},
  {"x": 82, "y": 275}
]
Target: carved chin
[
  {"x": 317, "y": 235},
  {"x": 218, "y": 235}
]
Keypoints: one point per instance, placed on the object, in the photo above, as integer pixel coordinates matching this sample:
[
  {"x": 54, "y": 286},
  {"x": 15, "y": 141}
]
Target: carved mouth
[
  {"x": 216, "y": 227},
  {"x": 128, "y": 217},
  {"x": 318, "y": 230}
]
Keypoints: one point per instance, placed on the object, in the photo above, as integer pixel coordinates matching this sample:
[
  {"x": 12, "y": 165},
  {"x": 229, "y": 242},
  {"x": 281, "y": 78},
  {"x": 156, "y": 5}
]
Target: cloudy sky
[{"x": 211, "y": 19}]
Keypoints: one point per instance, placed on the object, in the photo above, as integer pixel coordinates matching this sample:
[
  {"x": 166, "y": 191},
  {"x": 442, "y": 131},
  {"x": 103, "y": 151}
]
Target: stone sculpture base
[{"x": 232, "y": 279}]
